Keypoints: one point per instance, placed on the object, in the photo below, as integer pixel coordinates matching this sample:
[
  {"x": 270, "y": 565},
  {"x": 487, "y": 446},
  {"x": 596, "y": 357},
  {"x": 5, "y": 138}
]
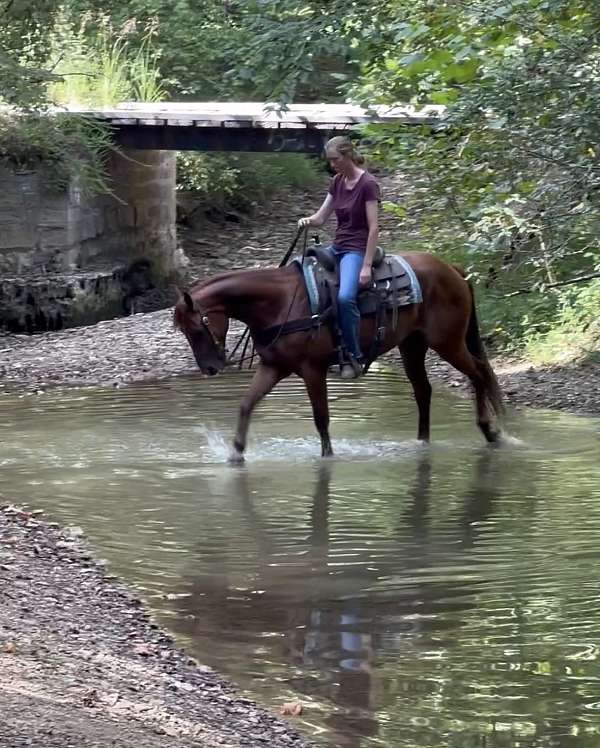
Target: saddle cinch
[{"x": 394, "y": 285}]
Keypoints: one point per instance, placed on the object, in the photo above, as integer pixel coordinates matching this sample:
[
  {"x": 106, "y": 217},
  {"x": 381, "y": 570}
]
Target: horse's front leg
[
  {"x": 265, "y": 378},
  {"x": 316, "y": 385}
]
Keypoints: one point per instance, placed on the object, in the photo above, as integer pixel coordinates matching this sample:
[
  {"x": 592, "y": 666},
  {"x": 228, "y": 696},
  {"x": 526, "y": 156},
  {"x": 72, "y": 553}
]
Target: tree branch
[{"x": 580, "y": 279}]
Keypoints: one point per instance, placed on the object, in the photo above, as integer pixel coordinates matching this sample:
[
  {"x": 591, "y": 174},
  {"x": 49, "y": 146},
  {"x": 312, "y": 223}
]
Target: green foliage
[
  {"x": 240, "y": 181},
  {"x": 95, "y": 68},
  {"x": 515, "y": 167},
  {"x": 24, "y": 29},
  {"x": 574, "y": 333},
  {"x": 511, "y": 181},
  {"x": 194, "y": 39},
  {"x": 100, "y": 64},
  {"x": 65, "y": 148},
  {"x": 280, "y": 50}
]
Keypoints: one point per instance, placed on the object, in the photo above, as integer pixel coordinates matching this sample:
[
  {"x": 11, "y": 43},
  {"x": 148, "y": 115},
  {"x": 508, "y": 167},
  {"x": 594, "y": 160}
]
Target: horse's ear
[{"x": 189, "y": 302}]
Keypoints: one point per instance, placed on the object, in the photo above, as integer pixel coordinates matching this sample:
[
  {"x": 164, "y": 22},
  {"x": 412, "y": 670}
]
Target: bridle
[
  {"x": 245, "y": 338},
  {"x": 217, "y": 344}
]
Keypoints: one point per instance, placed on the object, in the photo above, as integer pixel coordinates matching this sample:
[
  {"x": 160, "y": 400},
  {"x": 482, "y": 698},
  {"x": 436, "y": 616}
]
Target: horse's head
[{"x": 205, "y": 330}]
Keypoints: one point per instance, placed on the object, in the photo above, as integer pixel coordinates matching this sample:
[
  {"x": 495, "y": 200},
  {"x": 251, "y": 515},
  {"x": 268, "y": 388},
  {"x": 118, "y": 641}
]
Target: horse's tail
[{"x": 477, "y": 349}]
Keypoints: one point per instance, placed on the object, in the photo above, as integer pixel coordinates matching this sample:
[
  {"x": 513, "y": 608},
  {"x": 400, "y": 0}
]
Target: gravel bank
[{"x": 82, "y": 665}]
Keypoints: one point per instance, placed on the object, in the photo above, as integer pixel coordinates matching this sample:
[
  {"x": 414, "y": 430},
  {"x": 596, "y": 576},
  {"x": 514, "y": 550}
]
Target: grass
[
  {"x": 574, "y": 334},
  {"x": 101, "y": 65}
]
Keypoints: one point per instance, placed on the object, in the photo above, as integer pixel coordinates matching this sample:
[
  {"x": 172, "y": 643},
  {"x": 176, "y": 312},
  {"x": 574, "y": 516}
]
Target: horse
[{"x": 445, "y": 321}]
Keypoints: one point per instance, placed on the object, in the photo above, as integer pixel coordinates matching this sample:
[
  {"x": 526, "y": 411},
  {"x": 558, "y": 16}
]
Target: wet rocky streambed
[{"x": 402, "y": 595}]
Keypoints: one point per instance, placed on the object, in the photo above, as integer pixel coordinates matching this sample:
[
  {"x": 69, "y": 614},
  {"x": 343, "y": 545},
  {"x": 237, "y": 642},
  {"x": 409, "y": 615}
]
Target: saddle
[
  {"x": 392, "y": 282},
  {"x": 394, "y": 285}
]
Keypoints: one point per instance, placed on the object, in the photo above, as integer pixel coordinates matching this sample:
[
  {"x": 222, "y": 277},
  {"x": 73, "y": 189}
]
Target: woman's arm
[
  {"x": 319, "y": 218},
  {"x": 372, "y": 209}
]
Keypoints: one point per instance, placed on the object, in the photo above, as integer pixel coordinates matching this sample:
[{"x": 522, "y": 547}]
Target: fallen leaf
[
  {"x": 143, "y": 649},
  {"x": 9, "y": 648},
  {"x": 290, "y": 709},
  {"x": 90, "y": 698}
]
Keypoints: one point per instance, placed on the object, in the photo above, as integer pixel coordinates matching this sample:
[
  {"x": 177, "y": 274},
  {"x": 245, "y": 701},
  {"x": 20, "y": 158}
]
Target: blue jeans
[{"x": 349, "y": 262}]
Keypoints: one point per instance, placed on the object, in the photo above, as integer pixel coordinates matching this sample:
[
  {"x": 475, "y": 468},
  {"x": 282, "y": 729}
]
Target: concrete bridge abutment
[
  {"x": 143, "y": 183},
  {"x": 68, "y": 259}
]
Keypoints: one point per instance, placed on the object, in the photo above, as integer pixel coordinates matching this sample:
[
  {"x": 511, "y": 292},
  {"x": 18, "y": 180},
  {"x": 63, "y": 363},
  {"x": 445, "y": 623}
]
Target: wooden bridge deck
[{"x": 249, "y": 126}]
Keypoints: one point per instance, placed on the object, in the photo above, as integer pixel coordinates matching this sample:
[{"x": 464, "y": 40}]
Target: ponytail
[{"x": 345, "y": 147}]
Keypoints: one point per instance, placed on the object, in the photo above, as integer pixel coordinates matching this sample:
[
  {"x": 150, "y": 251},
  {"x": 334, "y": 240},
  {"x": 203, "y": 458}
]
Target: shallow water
[{"x": 407, "y": 596}]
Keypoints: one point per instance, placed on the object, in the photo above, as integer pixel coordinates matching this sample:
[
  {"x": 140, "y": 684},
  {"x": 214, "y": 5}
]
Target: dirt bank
[
  {"x": 145, "y": 346},
  {"x": 81, "y": 664}
]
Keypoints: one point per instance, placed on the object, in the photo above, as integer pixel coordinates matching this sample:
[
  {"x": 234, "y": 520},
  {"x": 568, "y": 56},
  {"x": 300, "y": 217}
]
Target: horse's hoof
[
  {"x": 236, "y": 458},
  {"x": 498, "y": 439}
]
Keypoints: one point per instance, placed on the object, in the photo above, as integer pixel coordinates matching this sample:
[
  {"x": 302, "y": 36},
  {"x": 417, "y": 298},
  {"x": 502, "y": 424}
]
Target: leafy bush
[
  {"x": 575, "y": 333},
  {"x": 65, "y": 147},
  {"x": 240, "y": 180},
  {"x": 100, "y": 64}
]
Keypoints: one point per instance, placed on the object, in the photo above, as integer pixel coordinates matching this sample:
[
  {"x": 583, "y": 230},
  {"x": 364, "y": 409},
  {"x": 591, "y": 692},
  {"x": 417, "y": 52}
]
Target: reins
[{"x": 245, "y": 337}]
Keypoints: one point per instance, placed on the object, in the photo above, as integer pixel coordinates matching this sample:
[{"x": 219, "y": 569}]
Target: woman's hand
[
  {"x": 366, "y": 276},
  {"x": 318, "y": 218}
]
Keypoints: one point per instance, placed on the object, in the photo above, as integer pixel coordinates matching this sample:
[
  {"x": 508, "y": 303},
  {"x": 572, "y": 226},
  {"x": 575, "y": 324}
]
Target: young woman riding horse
[
  {"x": 353, "y": 195},
  {"x": 269, "y": 298}
]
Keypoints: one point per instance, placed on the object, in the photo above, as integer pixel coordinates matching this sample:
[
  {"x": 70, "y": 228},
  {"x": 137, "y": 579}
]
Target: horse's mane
[{"x": 199, "y": 285}]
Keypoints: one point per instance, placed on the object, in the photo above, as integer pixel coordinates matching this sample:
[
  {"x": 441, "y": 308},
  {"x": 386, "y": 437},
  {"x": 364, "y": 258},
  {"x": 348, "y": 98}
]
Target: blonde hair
[{"x": 345, "y": 147}]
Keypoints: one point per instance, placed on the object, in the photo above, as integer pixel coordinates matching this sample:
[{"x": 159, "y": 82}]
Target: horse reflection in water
[{"x": 334, "y": 616}]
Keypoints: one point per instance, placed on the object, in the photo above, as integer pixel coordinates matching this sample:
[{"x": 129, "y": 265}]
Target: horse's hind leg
[
  {"x": 460, "y": 358},
  {"x": 413, "y": 350},
  {"x": 315, "y": 380},
  {"x": 265, "y": 378}
]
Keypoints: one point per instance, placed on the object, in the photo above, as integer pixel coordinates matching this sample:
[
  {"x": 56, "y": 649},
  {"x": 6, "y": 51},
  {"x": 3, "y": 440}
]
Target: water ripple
[{"x": 407, "y": 595}]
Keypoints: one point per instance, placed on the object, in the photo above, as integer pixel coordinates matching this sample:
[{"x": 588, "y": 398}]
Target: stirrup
[{"x": 351, "y": 368}]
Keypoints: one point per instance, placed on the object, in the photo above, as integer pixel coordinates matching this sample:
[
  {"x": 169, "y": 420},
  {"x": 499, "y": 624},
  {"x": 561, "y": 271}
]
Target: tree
[
  {"x": 24, "y": 25},
  {"x": 517, "y": 163}
]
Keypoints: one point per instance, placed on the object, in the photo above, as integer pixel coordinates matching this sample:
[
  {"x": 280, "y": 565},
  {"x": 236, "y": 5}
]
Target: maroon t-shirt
[{"x": 350, "y": 209}]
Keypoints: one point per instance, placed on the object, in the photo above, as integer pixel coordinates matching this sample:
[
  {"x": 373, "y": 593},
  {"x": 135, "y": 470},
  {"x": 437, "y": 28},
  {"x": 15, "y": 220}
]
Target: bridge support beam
[
  {"x": 192, "y": 138},
  {"x": 143, "y": 183}
]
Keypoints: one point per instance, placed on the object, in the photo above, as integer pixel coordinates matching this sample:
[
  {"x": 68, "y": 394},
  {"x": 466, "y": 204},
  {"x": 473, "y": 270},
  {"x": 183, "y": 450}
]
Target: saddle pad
[
  {"x": 394, "y": 274},
  {"x": 415, "y": 286}
]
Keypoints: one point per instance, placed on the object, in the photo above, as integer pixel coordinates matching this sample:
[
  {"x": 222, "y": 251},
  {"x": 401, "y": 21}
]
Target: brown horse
[{"x": 445, "y": 321}]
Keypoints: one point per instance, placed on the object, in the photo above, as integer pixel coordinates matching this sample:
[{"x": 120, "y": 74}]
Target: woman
[{"x": 354, "y": 196}]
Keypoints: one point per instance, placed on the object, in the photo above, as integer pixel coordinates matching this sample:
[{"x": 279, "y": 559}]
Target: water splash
[{"x": 217, "y": 448}]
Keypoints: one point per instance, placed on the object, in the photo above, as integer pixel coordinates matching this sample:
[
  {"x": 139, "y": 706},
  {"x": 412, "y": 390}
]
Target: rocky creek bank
[{"x": 83, "y": 666}]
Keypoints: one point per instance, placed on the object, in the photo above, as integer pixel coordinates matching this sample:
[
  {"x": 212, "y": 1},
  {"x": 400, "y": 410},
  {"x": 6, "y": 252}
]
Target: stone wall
[
  {"x": 67, "y": 259},
  {"x": 41, "y": 231}
]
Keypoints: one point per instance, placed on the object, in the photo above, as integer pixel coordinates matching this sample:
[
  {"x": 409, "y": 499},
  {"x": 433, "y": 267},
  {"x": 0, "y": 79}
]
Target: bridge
[
  {"x": 249, "y": 126},
  {"x": 72, "y": 258}
]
